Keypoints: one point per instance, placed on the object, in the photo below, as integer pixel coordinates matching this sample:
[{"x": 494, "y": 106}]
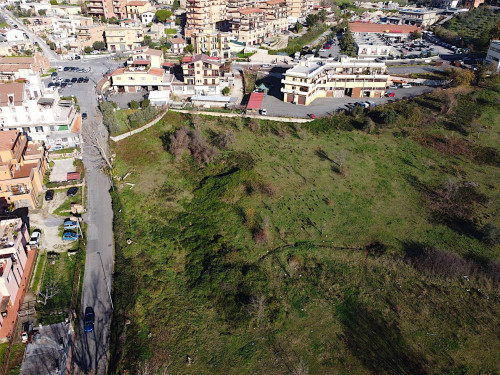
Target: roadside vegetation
[
  {"x": 473, "y": 29},
  {"x": 119, "y": 121},
  {"x": 296, "y": 44},
  {"x": 364, "y": 243}
]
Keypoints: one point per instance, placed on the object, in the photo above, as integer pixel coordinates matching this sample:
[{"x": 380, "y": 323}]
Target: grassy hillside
[{"x": 338, "y": 246}]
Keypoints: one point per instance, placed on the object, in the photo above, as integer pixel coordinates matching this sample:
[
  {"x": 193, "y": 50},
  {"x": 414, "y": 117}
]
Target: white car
[
  {"x": 60, "y": 68},
  {"x": 322, "y": 50},
  {"x": 406, "y": 86},
  {"x": 35, "y": 237}
]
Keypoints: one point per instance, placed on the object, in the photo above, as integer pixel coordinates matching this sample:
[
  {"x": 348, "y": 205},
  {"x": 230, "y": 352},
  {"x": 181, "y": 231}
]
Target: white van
[{"x": 406, "y": 86}]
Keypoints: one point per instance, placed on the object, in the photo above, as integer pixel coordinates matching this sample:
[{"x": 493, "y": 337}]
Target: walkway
[{"x": 138, "y": 130}]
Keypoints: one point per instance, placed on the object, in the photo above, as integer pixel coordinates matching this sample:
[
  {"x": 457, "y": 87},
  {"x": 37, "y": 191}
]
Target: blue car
[
  {"x": 70, "y": 236},
  {"x": 69, "y": 224},
  {"x": 88, "y": 319}
]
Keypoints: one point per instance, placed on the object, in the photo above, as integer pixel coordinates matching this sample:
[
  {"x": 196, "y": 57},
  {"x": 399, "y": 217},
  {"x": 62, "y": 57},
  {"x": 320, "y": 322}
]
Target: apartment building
[
  {"x": 22, "y": 166},
  {"x": 276, "y": 16},
  {"x": 204, "y": 15},
  {"x": 39, "y": 24},
  {"x": 135, "y": 8},
  {"x": 146, "y": 56},
  {"x": 69, "y": 24},
  {"x": 417, "y": 16},
  {"x": 299, "y": 9},
  {"x": 201, "y": 75},
  {"x": 248, "y": 25},
  {"x": 212, "y": 43},
  {"x": 140, "y": 76},
  {"x": 334, "y": 78},
  {"x": 38, "y": 62},
  {"x": 493, "y": 55},
  {"x": 120, "y": 38},
  {"x": 87, "y": 35},
  {"x": 107, "y": 8},
  {"x": 29, "y": 107},
  {"x": 15, "y": 271}
]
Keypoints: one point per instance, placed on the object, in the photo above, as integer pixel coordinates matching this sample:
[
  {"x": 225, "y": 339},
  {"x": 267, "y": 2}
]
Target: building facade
[
  {"x": 135, "y": 8},
  {"x": 316, "y": 78},
  {"x": 140, "y": 76},
  {"x": 119, "y": 39},
  {"x": 107, "y": 8},
  {"x": 152, "y": 57},
  {"x": 201, "y": 75},
  {"x": 204, "y": 15},
  {"x": 22, "y": 166},
  {"x": 493, "y": 56},
  {"x": 212, "y": 43},
  {"x": 13, "y": 268}
]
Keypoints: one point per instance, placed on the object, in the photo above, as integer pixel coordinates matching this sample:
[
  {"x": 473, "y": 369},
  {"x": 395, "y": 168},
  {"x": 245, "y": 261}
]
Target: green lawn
[
  {"x": 42, "y": 257},
  {"x": 313, "y": 248}
]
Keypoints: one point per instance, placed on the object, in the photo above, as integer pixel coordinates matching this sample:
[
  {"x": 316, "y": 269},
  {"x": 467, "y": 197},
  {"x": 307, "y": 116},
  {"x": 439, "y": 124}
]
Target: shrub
[
  {"x": 109, "y": 117},
  {"x": 226, "y": 91},
  {"x": 134, "y": 104},
  {"x": 223, "y": 140},
  {"x": 491, "y": 234},
  {"x": 145, "y": 103},
  {"x": 193, "y": 141}
]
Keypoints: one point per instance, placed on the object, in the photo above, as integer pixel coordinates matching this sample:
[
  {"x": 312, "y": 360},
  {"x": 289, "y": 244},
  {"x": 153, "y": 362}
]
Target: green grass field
[{"x": 314, "y": 248}]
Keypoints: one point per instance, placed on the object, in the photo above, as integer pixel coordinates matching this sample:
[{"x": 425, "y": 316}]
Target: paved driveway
[{"x": 60, "y": 169}]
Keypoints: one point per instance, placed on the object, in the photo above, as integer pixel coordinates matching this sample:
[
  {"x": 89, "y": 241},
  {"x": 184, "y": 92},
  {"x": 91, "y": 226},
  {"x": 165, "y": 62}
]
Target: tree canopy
[
  {"x": 162, "y": 15},
  {"x": 346, "y": 43}
]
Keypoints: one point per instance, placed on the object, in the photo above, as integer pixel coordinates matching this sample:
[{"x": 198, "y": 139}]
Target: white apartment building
[
  {"x": 36, "y": 111},
  {"x": 147, "y": 17},
  {"x": 317, "y": 77},
  {"x": 493, "y": 56}
]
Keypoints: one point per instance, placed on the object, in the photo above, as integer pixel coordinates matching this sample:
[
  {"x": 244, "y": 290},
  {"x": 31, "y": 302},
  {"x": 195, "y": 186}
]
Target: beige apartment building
[
  {"x": 107, "y": 8},
  {"x": 334, "y": 78},
  {"x": 123, "y": 38},
  {"x": 135, "y": 8},
  {"x": 87, "y": 35},
  {"x": 299, "y": 8},
  {"x": 22, "y": 166},
  {"x": 140, "y": 76},
  {"x": 212, "y": 43},
  {"x": 204, "y": 15},
  {"x": 201, "y": 75},
  {"x": 146, "y": 56}
]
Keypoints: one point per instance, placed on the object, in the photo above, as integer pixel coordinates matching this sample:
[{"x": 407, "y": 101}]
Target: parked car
[
  {"x": 60, "y": 68},
  {"x": 69, "y": 236},
  {"x": 406, "y": 86},
  {"x": 54, "y": 74},
  {"x": 84, "y": 116},
  {"x": 85, "y": 80},
  {"x": 263, "y": 111},
  {"x": 72, "y": 191},
  {"x": 66, "y": 68},
  {"x": 49, "y": 195},
  {"x": 35, "y": 237},
  {"x": 390, "y": 94},
  {"x": 74, "y": 79},
  {"x": 80, "y": 80},
  {"x": 70, "y": 224},
  {"x": 88, "y": 319},
  {"x": 312, "y": 115}
]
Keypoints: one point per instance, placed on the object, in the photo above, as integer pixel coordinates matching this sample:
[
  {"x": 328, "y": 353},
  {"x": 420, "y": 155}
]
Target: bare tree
[
  {"x": 427, "y": 163},
  {"x": 95, "y": 137},
  {"x": 258, "y": 306},
  {"x": 51, "y": 290},
  {"x": 341, "y": 157}
]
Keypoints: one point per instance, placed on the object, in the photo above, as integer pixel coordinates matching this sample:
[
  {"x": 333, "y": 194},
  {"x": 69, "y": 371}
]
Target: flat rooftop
[{"x": 7, "y": 229}]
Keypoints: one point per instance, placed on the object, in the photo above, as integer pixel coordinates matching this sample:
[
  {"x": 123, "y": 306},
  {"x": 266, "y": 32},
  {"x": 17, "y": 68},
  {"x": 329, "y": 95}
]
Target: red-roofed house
[
  {"x": 140, "y": 76},
  {"x": 178, "y": 45},
  {"x": 200, "y": 75}
]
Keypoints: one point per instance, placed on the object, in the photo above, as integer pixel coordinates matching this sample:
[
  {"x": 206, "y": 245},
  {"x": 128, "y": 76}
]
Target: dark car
[
  {"x": 67, "y": 80},
  {"x": 66, "y": 68},
  {"x": 74, "y": 79},
  {"x": 88, "y": 319},
  {"x": 84, "y": 116},
  {"x": 77, "y": 57},
  {"x": 64, "y": 84},
  {"x": 72, "y": 191},
  {"x": 51, "y": 84},
  {"x": 85, "y": 80},
  {"x": 80, "y": 80},
  {"x": 49, "y": 195},
  {"x": 54, "y": 74}
]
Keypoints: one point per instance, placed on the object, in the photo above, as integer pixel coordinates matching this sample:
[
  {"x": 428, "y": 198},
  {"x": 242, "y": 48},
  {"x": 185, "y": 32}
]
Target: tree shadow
[{"x": 378, "y": 344}]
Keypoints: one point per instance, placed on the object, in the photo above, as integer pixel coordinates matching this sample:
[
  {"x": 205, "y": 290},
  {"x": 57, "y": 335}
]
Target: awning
[
  {"x": 141, "y": 62},
  {"x": 63, "y": 127}
]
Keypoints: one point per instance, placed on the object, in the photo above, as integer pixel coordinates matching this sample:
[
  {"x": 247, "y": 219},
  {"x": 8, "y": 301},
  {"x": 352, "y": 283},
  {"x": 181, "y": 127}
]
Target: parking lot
[
  {"x": 275, "y": 105},
  {"x": 68, "y": 76}
]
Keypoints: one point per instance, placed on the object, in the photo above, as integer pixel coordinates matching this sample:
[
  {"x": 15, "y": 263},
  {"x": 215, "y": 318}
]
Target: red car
[
  {"x": 312, "y": 116},
  {"x": 390, "y": 95}
]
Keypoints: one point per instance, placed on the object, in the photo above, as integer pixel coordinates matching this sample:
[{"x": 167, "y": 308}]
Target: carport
[{"x": 255, "y": 101}]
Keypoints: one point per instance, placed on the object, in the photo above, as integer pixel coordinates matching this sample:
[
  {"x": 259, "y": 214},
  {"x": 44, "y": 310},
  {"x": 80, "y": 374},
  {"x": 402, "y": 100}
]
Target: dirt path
[{"x": 45, "y": 219}]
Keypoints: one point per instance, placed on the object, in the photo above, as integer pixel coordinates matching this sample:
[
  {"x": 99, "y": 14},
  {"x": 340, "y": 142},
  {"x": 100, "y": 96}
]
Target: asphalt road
[
  {"x": 45, "y": 48},
  {"x": 91, "y": 349}
]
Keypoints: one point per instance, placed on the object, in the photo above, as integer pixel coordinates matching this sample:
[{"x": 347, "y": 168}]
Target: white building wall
[{"x": 493, "y": 56}]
